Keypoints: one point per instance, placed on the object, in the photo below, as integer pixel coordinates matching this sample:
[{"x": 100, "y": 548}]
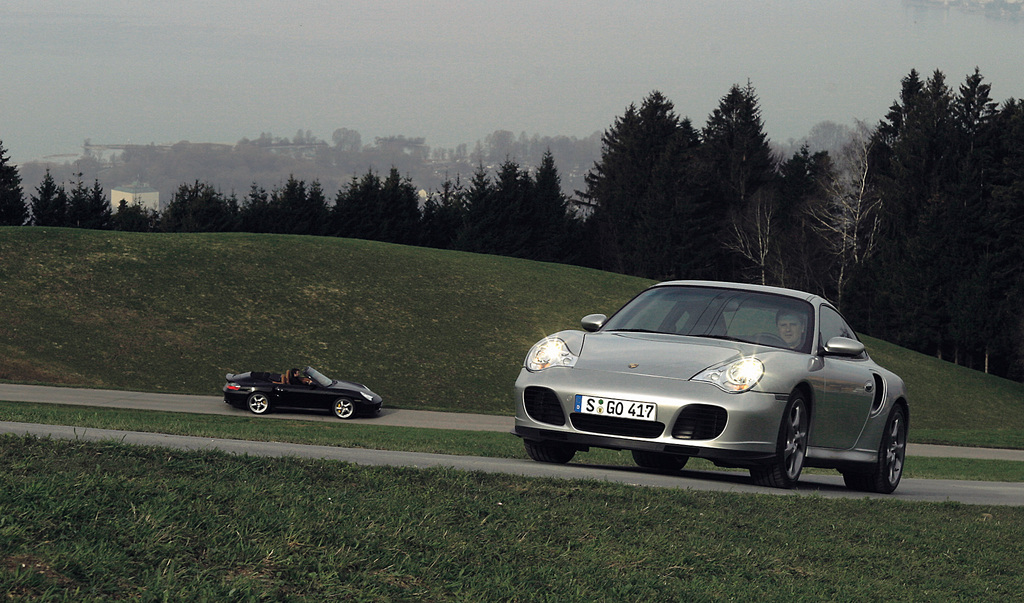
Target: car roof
[{"x": 808, "y": 297}]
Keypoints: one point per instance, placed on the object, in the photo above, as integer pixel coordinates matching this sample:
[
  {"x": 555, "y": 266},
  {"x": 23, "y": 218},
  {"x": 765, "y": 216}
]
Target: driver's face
[{"x": 791, "y": 330}]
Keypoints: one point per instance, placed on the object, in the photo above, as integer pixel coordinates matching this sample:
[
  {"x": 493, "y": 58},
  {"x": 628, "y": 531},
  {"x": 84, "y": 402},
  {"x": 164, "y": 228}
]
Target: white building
[{"x": 136, "y": 192}]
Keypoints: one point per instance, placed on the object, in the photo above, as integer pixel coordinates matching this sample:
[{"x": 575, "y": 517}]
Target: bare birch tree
[
  {"x": 752, "y": 235},
  {"x": 848, "y": 218}
]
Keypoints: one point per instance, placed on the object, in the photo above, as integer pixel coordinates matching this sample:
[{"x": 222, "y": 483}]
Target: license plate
[{"x": 593, "y": 405}]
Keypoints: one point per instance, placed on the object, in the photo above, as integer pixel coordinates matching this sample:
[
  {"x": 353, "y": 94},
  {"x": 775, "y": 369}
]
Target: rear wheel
[
  {"x": 659, "y": 460},
  {"x": 784, "y": 470},
  {"x": 344, "y": 408},
  {"x": 888, "y": 471},
  {"x": 258, "y": 403},
  {"x": 549, "y": 452}
]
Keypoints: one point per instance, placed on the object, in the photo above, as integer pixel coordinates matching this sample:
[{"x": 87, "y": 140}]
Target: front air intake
[
  {"x": 542, "y": 405},
  {"x": 617, "y": 426},
  {"x": 700, "y": 422}
]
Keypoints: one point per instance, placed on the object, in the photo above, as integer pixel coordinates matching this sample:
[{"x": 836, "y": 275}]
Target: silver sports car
[{"x": 767, "y": 379}]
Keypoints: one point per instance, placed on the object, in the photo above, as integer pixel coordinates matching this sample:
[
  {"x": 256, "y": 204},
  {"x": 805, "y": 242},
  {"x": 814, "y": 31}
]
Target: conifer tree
[
  {"x": 648, "y": 218},
  {"x": 551, "y": 226},
  {"x": 444, "y": 215},
  {"x": 88, "y": 207},
  {"x": 357, "y": 209},
  {"x": 198, "y": 207},
  {"x": 1006, "y": 214},
  {"x": 400, "y": 209},
  {"x": 481, "y": 214},
  {"x": 134, "y": 218},
  {"x": 496, "y": 215},
  {"x": 13, "y": 211},
  {"x": 735, "y": 148},
  {"x": 49, "y": 204},
  {"x": 296, "y": 209},
  {"x": 255, "y": 214}
]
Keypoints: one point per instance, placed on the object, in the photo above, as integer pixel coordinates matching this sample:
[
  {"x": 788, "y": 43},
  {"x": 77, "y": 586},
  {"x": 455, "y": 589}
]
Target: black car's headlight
[
  {"x": 550, "y": 352},
  {"x": 735, "y": 377}
]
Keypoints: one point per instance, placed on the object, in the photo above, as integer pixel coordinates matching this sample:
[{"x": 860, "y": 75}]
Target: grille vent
[
  {"x": 617, "y": 426},
  {"x": 700, "y": 422},
  {"x": 542, "y": 405}
]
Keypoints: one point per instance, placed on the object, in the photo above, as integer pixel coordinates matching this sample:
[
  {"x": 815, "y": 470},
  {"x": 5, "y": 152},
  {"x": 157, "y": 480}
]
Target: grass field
[
  {"x": 431, "y": 330},
  {"x": 426, "y": 328},
  {"x": 104, "y": 521}
]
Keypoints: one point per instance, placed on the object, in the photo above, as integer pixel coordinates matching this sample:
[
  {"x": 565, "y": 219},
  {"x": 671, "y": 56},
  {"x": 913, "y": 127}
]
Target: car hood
[
  {"x": 348, "y": 385},
  {"x": 655, "y": 355}
]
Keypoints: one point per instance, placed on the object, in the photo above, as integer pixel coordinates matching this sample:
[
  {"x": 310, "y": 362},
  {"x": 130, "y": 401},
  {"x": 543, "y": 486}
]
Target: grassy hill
[{"x": 425, "y": 328}]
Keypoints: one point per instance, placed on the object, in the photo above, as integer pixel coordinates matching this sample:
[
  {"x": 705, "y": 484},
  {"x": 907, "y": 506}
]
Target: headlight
[
  {"x": 735, "y": 377},
  {"x": 548, "y": 353},
  {"x": 367, "y": 395}
]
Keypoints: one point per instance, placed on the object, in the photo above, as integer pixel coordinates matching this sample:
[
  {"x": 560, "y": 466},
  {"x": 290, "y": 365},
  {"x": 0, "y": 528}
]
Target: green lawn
[
  {"x": 105, "y": 521},
  {"x": 431, "y": 330},
  {"x": 427, "y": 329}
]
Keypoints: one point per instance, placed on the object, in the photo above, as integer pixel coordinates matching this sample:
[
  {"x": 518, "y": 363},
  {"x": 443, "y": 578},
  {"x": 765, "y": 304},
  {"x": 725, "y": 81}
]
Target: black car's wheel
[
  {"x": 258, "y": 403},
  {"x": 784, "y": 470},
  {"x": 659, "y": 460},
  {"x": 344, "y": 408},
  {"x": 892, "y": 450},
  {"x": 549, "y": 452}
]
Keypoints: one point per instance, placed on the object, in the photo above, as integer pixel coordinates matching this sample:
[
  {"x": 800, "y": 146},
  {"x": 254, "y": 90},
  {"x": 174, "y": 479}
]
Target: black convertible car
[{"x": 308, "y": 388}]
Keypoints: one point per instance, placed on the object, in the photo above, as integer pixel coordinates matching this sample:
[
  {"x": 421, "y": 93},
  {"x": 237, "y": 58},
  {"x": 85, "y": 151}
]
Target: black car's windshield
[
  {"x": 730, "y": 314},
  {"x": 315, "y": 375}
]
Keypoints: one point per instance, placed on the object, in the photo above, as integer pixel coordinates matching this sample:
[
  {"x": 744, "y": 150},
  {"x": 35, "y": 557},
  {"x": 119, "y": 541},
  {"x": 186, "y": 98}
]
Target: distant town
[{"x": 1009, "y": 8}]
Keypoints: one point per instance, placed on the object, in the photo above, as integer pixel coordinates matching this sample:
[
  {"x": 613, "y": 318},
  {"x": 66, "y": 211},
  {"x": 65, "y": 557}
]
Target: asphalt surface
[{"x": 969, "y": 492}]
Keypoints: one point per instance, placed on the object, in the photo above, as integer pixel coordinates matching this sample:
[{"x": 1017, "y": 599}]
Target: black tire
[
  {"x": 791, "y": 450},
  {"x": 549, "y": 452},
  {"x": 659, "y": 460},
  {"x": 258, "y": 403},
  {"x": 887, "y": 472},
  {"x": 344, "y": 408}
]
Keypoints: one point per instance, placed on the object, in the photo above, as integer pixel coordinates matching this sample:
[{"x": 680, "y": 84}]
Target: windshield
[
  {"x": 315, "y": 375},
  {"x": 736, "y": 315}
]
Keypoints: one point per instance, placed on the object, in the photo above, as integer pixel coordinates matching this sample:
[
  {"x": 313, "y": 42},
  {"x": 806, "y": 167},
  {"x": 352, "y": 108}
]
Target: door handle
[{"x": 869, "y": 386}]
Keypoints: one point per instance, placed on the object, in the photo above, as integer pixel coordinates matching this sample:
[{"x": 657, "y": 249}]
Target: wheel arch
[
  {"x": 805, "y": 388},
  {"x": 902, "y": 403}
]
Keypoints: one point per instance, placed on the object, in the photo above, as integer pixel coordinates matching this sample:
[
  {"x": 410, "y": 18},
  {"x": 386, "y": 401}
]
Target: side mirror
[
  {"x": 844, "y": 346},
  {"x": 593, "y": 322}
]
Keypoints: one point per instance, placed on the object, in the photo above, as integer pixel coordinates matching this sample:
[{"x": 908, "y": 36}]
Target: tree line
[{"x": 914, "y": 226}]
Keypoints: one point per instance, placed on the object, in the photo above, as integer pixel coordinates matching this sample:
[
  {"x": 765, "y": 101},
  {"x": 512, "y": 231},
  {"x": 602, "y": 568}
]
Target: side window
[{"x": 832, "y": 325}]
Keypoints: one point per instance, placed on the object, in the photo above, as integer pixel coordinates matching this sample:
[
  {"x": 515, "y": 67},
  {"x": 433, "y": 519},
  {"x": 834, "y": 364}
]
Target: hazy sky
[{"x": 120, "y": 71}]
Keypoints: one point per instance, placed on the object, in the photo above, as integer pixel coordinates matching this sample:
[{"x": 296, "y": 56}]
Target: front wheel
[
  {"x": 258, "y": 403},
  {"x": 344, "y": 408},
  {"x": 549, "y": 452},
  {"x": 892, "y": 450},
  {"x": 785, "y": 468}
]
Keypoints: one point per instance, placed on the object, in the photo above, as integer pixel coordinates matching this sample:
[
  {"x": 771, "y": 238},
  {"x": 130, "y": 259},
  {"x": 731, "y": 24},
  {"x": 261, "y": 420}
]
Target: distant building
[{"x": 136, "y": 192}]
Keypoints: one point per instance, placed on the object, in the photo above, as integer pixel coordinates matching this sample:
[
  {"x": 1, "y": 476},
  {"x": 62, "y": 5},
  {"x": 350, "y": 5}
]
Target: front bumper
[
  {"x": 693, "y": 419},
  {"x": 369, "y": 408}
]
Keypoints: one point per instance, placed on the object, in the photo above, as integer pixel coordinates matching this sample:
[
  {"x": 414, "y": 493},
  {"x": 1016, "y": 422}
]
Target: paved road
[
  {"x": 979, "y": 493},
  {"x": 215, "y": 405}
]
